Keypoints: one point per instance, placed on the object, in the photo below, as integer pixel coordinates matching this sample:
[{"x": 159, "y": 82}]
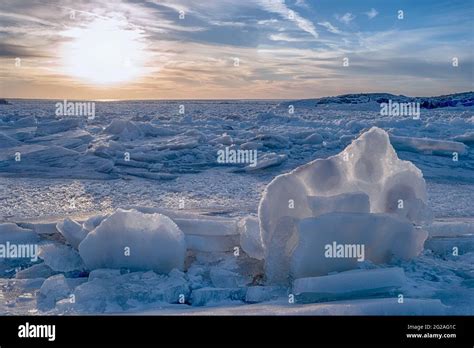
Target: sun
[{"x": 105, "y": 52}]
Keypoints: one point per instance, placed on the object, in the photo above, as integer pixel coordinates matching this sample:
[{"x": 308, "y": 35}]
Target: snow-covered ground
[{"x": 145, "y": 154}]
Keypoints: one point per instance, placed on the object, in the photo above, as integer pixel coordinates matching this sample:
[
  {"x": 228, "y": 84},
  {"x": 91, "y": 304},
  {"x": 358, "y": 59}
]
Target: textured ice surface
[
  {"x": 211, "y": 243},
  {"x": 110, "y": 292},
  {"x": 369, "y": 165},
  {"x": 264, "y": 293},
  {"x": 383, "y": 237},
  {"x": 215, "y": 296},
  {"x": 41, "y": 189},
  {"x": 449, "y": 246},
  {"x": 268, "y": 160},
  {"x": 205, "y": 226},
  {"x": 349, "y": 285},
  {"x": 355, "y": 202},
  {"x": 222, "y": 278},
  {"x": 134, "y": 240},
  {"x": 379, "y": 306}
]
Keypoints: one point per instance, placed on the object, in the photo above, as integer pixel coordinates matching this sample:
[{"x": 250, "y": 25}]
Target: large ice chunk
[
  {"x": 134, "y": 240},
  {"x": 379, "y": 237},
  {"x": 369, "y": 165}
]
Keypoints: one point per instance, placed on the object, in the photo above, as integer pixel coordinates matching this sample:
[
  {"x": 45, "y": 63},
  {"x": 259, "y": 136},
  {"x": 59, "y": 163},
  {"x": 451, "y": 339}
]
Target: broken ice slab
[
  {"x": 267, "y": 160},
  {"x": 450, "y": 246},
  {"x": 109, "y": 291},
  {"x": 12, "y": 233},
  {"x": 374, "y": 237},
  {"x": 264, "y": 293},
  {"x": 104, "y": 273},
  {"x": 60, "y": 257},
  {"x": 72, "y": 231},
  {"x": 451, "y": 228},
  {"x": 250, "y": 238},
  {"x": 213, "y": 296},
  {"x": 40, "y": 227},
  {"x": 427, "y": 145},
  {"x": 207, "y": 227},
  {"x": 53, "y": 289},
  {"x": 223, "y": 278},
  {"x": 40, "y": 270},
  {"x": 349, "y": 285},
  {"x": 197, "y": 224},
  {"x": 211, "y": 243},
  {"x": 144, "y": 173}
]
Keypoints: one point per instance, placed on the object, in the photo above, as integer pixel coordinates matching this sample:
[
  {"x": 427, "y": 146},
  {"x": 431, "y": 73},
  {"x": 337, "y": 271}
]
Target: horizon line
[{"x": 105, "y": 100}]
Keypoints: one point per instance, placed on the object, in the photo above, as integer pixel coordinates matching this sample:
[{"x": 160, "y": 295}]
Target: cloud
[
  {"x": 279, "y": 7},
  {"x": 301, "y": 3},
  {"x": 372, "y": 13},
  {"x": 22, "y": 17},
  {"x": 267, "y": 21},
  {"x": 331, "y": 28},
  {"x": 13, "y": 51},
  {"x": 346, "y": 18},
  {"x": 287, "y": 38},
  {"x": 227, "y": 24}
]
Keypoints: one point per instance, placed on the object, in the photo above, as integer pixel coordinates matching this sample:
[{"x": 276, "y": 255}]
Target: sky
[{"x": 234, "y": 49}]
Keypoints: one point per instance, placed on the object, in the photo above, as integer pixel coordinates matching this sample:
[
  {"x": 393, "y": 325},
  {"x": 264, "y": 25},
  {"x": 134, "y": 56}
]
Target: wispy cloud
[
  {"x": 286, "y": 49},
  {"x": 288, "y": 38},
  {"x": 345, "y": 18},
  {"x": 227, "y": 24},
  {"x": 372, "y": 13},
  {"x": 331, "y": 28},
  {"x": 279, "y": 7}
]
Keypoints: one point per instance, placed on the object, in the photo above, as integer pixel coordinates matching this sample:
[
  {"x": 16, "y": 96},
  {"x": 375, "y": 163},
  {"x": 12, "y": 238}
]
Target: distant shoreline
[{"x": 234, "y": 100}]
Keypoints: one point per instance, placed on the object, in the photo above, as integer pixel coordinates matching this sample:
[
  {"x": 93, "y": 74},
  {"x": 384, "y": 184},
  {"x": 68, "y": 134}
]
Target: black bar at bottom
[{"x": 223, "y": 330}]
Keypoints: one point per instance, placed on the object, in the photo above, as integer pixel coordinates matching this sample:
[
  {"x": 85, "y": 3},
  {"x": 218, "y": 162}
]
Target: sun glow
[{"x": 105, "y": 52}]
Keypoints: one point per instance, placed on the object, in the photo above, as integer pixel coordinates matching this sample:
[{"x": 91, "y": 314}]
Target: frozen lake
[{"x": 164, "y": 154}]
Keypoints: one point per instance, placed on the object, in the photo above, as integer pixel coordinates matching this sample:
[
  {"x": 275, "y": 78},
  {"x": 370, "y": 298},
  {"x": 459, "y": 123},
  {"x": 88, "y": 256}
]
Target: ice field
[{"x": 133, "y": 212}]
